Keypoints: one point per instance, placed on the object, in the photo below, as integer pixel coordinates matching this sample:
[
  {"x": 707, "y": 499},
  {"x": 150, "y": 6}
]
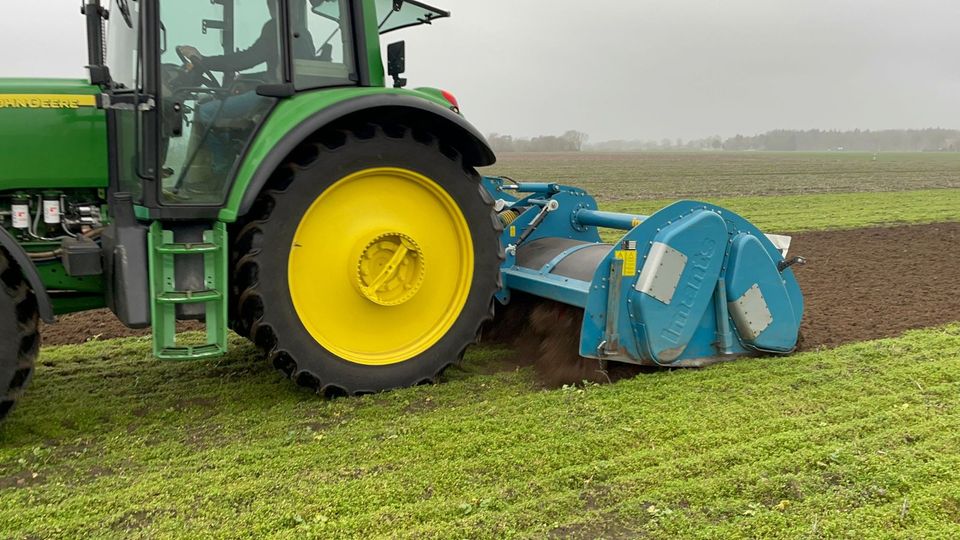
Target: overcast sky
[{"x": 643, "y": 69}]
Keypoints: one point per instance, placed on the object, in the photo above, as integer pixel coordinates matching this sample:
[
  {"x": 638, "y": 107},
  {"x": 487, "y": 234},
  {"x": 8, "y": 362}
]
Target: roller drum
[{"x": 580, "y": 263}]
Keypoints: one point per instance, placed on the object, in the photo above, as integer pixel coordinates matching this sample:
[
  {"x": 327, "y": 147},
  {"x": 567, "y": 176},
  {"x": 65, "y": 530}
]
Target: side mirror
[{"x": 397, "y": 62}]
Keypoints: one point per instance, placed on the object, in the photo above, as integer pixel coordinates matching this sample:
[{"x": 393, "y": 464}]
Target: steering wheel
[{"x": 206, "y": 76}]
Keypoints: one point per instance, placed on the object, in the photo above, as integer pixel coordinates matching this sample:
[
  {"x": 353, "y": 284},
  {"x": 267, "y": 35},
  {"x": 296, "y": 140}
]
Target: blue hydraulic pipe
[
  {"x": 608, "y": 220},
  {"x": 538, "y": 187}
]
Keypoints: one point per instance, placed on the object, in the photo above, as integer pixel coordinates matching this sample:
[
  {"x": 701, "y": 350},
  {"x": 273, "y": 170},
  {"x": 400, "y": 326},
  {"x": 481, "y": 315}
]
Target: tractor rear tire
[
  {"x": 369, "y": 261},
  {"x": 19, "y": 334}
]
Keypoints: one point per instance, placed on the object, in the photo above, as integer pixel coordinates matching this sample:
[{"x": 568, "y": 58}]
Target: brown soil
[
  {"x": 99, "y": 325},
  {"x": 875, "y": 283},
  {"x": 859, "y": 284}
]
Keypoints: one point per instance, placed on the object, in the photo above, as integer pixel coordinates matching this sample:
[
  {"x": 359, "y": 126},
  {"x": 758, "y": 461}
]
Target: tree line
[
  {"x": 781, "y": 140},
  {"x": 571, "y": 141}
]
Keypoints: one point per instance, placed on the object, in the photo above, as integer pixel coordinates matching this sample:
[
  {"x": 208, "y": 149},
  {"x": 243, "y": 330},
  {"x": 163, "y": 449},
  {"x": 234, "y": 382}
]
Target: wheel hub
[{"x": 391, "y": 269}]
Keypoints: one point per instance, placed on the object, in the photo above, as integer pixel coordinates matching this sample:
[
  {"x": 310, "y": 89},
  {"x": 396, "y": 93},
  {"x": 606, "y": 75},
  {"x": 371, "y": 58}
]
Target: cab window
[
  {"x": 322, "y": 43},
  {"x": 218, "y": 54}
]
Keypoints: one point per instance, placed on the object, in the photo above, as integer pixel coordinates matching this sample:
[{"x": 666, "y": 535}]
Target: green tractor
[
  {"x": 248, "y": 164},
  {"x": 245, "y": 163}
]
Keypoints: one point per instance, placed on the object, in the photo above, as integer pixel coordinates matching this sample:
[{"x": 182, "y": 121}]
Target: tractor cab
[{"x": 191, "y": 82}]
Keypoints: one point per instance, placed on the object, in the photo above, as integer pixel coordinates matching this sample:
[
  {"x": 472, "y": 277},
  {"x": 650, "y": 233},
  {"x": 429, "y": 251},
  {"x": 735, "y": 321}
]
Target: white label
[
  {"x": 51, "y": 211},
  {"x": 21, "y": 216}
]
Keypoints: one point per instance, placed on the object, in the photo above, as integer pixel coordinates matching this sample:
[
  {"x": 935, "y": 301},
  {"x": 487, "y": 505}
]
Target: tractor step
[
  {"x": 187, "y": 248},
  {"x": 164, "y": 253},
  {"x": 189, "y": 297},
  {"x": 197, "y": 352}
]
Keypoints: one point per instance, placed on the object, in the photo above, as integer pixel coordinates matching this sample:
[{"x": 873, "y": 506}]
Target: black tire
[
  {"x": 263, "y": 309},
  {"x": 19, "y": 333}
]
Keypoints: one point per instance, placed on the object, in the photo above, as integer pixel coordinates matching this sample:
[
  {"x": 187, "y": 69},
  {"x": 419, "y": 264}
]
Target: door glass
[
  {"x": 122, "y": 50},
  {"x": 122, "y": 34},
  {"x": 322, "y": 43},
  {"x": 217, "y": 55}
]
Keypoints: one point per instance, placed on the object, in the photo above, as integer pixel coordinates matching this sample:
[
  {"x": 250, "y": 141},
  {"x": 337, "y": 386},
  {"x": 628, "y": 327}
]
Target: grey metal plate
[
  {"x": 661, "y": 272},
  {"x": 751, "y": 314},
  {"x": 537, "y": 253},
  {"x": 781, "y": 242},
  {"x": 580, "y": 265}
]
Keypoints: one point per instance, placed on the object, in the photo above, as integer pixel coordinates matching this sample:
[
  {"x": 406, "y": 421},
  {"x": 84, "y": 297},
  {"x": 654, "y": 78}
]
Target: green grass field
[
  {"x": 796, "y": 213},
  {"x": 857, "y": 442}
]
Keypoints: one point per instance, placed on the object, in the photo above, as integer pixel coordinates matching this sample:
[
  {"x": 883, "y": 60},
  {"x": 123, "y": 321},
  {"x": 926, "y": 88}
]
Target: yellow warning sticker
[
  {"x": 636, "y": 222},
  {"x": 513, "y": 231},
  {"x": 629, "y": 258}
]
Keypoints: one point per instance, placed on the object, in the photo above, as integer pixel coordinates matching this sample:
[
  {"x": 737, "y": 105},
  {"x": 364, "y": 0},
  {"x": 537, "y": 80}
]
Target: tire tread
[{"x": 248, "y": 319}]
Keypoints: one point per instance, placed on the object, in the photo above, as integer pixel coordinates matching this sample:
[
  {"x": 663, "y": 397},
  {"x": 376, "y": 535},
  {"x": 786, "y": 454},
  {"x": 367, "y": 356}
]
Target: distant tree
[
  {"x": 571, "y": 141},
  {"x": 501, "y": 143},
  {"x": 575, "y": 140}
]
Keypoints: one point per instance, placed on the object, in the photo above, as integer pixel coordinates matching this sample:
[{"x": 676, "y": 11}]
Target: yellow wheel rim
[{"x": 381, "y": 266}]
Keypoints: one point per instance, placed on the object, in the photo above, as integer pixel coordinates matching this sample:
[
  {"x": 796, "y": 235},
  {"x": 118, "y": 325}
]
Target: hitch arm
[{"x": 784, "y": 264}]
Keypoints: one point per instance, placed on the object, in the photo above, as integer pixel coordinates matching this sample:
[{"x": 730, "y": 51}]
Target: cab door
[
  {"x": 130, "y": 106},
  {"x": 213, "y": 61}
]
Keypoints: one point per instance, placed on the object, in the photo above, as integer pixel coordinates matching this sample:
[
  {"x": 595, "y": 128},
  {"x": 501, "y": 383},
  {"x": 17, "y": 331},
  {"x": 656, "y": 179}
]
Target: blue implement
[{"x": 687, "y": 286}]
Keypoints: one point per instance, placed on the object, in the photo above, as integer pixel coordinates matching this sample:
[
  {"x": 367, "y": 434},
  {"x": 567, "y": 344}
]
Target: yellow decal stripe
[{"x": 46, "y": 101}]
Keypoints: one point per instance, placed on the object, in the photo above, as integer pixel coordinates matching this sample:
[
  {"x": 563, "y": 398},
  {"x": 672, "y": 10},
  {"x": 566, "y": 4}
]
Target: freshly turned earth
[
  {"x": 866, "y": 284},
  {"x": 98, "y": 325},
  {"x": 858, "y": 284}
]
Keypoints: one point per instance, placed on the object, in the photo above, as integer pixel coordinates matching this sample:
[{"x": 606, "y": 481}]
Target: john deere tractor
[{"x": 251, "y": 164}]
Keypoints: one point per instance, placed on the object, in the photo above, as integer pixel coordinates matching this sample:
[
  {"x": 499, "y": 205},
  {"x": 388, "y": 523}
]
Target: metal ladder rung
[
  {"x": 187, "y": 248},
  {"x": 189, "y": 297},
  {"x": 197, "y": 352}
]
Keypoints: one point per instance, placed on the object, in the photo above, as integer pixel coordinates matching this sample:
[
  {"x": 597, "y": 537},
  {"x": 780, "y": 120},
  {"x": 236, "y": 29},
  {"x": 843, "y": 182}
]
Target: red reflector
[{"x": 451, "y": 98}]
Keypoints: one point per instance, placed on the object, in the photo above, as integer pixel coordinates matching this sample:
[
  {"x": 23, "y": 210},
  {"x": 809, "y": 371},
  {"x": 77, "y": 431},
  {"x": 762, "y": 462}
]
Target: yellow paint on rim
[
  {"x": 352, "y": 238},
  {"x": 391, "y": 269}
]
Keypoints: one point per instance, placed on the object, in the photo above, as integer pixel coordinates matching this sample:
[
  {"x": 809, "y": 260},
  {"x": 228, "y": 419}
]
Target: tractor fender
[
  {"x": 13, "y": 248},
  {"x": 412, "y": 110}
]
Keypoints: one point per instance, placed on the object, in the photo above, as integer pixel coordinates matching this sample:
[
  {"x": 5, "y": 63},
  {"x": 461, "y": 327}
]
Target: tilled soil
[
  {"x": 100, "y": 324},
  {"x": 873, "y": 283},
  {"x": 858, "y": 284}
]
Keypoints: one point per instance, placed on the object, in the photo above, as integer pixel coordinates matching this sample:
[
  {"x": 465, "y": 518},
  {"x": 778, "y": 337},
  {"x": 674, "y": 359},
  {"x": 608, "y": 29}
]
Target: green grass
[
  {"x": 856, "y": 442},
  {"x": 653, "y": 175},
  {"x": 796, "y": 213}
]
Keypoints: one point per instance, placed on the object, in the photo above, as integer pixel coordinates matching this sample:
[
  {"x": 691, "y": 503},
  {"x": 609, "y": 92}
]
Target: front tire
[
  {"x": 19, "y": 334},
  {"x": 369, "y": 263}
]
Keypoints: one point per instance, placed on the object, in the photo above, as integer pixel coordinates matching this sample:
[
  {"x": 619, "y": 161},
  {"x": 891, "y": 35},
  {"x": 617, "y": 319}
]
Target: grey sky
[{"x": 643, "y": 68}]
